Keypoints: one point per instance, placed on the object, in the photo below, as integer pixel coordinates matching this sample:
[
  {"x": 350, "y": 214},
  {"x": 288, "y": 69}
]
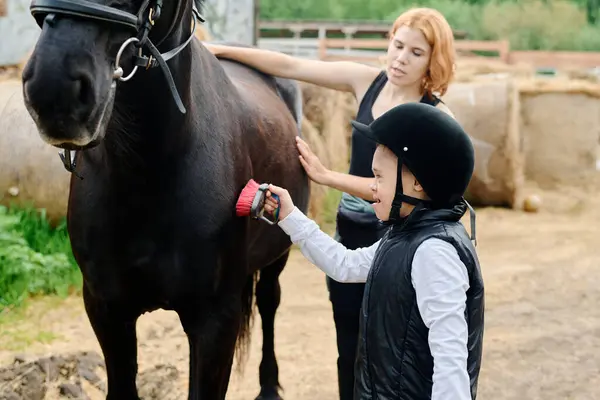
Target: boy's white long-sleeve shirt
[{"x": 440, "y": 280}]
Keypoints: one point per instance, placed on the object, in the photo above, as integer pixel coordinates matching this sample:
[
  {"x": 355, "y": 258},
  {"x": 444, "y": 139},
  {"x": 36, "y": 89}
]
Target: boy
[{"x": 422, "y": 316}]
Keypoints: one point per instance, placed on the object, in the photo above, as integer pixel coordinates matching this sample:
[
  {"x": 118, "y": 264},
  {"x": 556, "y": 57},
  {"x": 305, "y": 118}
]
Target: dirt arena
[{"x": 542, "y": 338}]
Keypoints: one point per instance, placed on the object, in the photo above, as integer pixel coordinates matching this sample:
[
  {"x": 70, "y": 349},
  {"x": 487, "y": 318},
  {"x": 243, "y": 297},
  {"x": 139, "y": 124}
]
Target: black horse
[{"x": 160, "y": 161}]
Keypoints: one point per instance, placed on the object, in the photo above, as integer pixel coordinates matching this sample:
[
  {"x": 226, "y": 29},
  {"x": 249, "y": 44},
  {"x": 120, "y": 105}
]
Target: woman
[{"x": 419, "y": 64}]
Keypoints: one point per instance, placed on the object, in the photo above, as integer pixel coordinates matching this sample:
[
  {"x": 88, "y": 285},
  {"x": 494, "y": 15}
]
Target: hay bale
[
  {"x": 202, "y": 34},
  {"x": 561, "y": 129},
  {"x": 468, "y": 69},
  {"x": 317, "y": 145},
  {"x": 329, "y": 112},
  {"x": 31, "y": 172},
  {"x": 488, "y": 109},
  {"x": 326, "y": 128}
]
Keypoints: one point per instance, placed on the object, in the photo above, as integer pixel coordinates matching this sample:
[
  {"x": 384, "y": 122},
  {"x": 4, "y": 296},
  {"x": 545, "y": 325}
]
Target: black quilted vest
[{"x": 393, "y": 358}]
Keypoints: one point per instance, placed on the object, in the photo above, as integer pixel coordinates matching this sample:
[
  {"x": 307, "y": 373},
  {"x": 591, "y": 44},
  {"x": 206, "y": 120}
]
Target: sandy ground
[{"x": 542, "y": 339}]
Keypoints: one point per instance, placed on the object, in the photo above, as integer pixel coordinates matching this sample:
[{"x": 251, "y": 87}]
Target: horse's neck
[
  {"x": 145, "y": 117},
  {"x": 147, "y": 127}
]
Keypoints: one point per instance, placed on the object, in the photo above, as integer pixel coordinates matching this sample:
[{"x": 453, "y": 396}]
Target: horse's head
[{"x": 84, "y": 48}]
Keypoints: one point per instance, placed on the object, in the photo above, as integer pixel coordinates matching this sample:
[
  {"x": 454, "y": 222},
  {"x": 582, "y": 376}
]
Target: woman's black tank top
[{"x": 363, "y": 148}]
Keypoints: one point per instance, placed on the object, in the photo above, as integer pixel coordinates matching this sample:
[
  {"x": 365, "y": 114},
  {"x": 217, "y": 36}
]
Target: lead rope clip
[{"x": 68, "y": 161}]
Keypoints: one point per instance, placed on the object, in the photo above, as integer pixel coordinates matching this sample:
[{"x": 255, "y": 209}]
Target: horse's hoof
[{"x": 269, "y": 396}]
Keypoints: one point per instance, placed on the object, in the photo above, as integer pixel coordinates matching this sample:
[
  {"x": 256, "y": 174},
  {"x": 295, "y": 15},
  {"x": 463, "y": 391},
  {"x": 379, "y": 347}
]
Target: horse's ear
[{"x": 199, "y": 5}]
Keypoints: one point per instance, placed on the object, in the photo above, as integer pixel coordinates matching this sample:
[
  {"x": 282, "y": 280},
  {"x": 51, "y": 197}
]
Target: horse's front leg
[
  {"x": 115, "y": 331},
  {"x": 212, "y": 333}
]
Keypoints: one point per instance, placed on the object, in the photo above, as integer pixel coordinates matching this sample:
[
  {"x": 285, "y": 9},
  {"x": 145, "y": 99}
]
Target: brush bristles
[{"x": 244, "y": 203}]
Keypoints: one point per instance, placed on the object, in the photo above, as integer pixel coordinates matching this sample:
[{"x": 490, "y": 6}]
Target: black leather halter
[{"x": 45, "y": 11}]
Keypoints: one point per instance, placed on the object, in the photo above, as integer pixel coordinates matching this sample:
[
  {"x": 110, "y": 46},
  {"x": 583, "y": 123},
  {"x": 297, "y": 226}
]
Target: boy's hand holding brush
[
  {"x": 285, "y": 204},
  {"x": 256, "y": 199}
]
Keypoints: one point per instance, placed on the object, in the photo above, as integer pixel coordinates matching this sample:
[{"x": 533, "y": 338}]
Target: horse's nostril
[{"x": 83, "y": 91}]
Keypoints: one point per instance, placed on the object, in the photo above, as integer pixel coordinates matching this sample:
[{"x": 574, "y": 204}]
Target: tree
[{"x": 592, "y": 7}]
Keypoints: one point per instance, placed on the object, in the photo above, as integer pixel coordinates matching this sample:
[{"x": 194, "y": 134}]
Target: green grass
[
  {"x": 25, "y": 325},
  {"x": 35, "y": 257}
]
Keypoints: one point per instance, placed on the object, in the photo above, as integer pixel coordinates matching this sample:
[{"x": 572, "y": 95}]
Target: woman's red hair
[{"x": 440, "y": 37}]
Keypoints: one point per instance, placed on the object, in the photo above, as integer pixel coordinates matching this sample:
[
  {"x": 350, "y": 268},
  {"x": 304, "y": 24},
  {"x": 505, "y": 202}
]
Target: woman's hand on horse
[
  {"x": 311, "y": 163},
  {"x": 286, "y": 205}
]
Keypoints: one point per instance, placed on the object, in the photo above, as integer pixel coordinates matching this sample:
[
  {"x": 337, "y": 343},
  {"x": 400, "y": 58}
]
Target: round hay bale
[
  {"x": 329, "y": 112},
  {"x": 31, "y": 172},
  {"x": 317, "y": 192},
  {"x": 326, "y": 127},
  {"x": 468, "y": 69},
  {"x": 489, "y": 112},
  {"x": 561, "y": 130}
]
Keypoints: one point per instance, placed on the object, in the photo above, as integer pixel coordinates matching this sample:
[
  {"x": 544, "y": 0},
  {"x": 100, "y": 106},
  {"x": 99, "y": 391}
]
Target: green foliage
[
  {"x": 35, "y": 258},
  {"x": 527, "y": 24},
  {"x": 536, "y": 25}
]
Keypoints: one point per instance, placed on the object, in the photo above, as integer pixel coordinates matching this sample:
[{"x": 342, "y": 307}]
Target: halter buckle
[{"x": 118, "y": 73}]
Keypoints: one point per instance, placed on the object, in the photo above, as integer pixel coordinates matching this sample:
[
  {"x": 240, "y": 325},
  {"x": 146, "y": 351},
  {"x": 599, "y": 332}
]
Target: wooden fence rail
[{"x": 371, "y": 50}]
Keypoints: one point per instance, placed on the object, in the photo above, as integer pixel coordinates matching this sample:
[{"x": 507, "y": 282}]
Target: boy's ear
[{"x": 417, "y": 186}]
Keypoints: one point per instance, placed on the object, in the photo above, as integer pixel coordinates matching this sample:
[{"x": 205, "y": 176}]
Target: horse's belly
[{"x": 147, "y": 273}]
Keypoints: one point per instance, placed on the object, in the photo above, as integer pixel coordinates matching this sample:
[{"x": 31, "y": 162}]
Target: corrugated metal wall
[
  {"x": 18, "y": 32},
  {"x": 230, "y": 20}
]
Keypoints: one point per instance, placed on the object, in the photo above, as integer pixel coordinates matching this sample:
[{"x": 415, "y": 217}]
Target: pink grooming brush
[{"x": 252, "y": 202}]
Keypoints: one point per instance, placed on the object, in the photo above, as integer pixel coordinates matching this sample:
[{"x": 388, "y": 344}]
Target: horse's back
[{"x": 286, "y": 89}]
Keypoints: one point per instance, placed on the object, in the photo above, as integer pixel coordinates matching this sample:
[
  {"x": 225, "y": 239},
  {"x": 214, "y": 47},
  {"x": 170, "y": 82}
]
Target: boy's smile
[{"x": 385, "y": 170}]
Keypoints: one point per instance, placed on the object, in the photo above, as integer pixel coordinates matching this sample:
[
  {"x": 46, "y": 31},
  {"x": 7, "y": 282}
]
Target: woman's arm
[
  {"x": 339, "y": 75},
  {"x": 355, "y": 185}
]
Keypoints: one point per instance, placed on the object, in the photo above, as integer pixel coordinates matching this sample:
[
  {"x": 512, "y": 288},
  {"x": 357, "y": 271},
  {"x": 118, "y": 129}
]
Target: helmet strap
[{"x": 400, "y": 198}]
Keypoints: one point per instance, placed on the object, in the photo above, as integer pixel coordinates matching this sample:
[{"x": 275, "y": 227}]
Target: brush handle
[{"x": 275, "y": 212}]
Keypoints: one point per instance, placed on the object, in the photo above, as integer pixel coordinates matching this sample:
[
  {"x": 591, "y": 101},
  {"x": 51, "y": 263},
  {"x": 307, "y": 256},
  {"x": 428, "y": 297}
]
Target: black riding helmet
[{"x": 432, "y": 145}]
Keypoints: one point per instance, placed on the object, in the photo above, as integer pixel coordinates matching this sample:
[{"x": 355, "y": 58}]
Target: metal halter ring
[{"x": 118, "y": 74}]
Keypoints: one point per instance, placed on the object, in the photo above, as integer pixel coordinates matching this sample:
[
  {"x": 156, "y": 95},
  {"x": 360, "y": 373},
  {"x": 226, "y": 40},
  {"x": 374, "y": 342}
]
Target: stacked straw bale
[
  {"x": 561, "y": 128},
  {"x": 489, "y": 111}
]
